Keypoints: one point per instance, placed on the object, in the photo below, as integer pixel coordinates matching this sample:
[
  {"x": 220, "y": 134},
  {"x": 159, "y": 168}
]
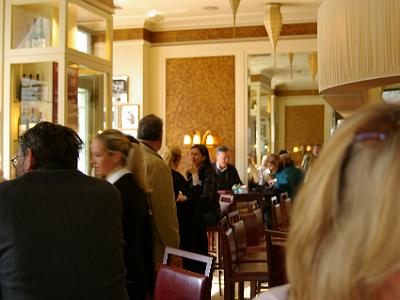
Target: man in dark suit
[
  {"x": 227, "y": 174},
  {"x": 60, "y": 230}
]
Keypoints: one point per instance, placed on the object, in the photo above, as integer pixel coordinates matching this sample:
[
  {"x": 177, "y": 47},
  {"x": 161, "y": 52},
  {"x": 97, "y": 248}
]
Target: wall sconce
[
  {"x": 295, "y": 149},
  {"x": 309, "y": 148},
  {"x": 207, "y": 139}
]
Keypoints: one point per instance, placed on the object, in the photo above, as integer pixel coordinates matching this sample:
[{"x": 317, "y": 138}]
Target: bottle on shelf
[
  {"x": 42, "y": 36},
  {"x": 28, "y": 37},
  {"x": 35, "y": 33}
]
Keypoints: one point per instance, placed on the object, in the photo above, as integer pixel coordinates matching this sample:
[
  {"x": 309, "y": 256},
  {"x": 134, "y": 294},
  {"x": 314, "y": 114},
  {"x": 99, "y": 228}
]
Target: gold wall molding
[{"x": 196, "y": 35}]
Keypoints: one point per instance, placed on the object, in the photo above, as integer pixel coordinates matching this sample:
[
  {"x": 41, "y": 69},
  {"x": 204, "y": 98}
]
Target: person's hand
[
  {"x": 181, "y": 197},
  {"x": 192, "y": 169},
  {"x": 271, "y": 182}
]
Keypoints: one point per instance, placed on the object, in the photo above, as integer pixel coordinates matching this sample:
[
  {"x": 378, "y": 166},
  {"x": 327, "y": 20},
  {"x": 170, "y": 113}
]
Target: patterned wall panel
[
  {"x": 304, "y": 125},
  {"x": 200, "y": 95}
]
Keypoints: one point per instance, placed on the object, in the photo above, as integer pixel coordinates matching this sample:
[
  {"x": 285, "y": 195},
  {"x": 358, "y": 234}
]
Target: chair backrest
[
  {"x": 190, "y": 255},
  {"x": 252, "y": 205},
  {"x": 226, "y": 203},
  {"x": 251, "y": 227},
  {"x": 233, "y": 217},
  {"x": 283, "y": 196},
  {"x": 276, "y": 248},
  {"x": 240, "y": 238},
  {"x": 179, "y": 284},
  {"x": 260, "y": 221},
  {"x": 228, "y": 251},
  {"x": 223, "y": 224}
]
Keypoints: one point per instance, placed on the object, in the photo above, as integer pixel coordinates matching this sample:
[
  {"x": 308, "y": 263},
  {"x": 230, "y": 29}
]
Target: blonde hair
[
  {"x": 172, "y": 156},
  {"x": 343, "y": 237},
  {"x": 132, "y": 156}
]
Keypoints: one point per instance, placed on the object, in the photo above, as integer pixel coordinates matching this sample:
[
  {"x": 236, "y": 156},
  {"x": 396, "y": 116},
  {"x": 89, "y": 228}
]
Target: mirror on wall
[{"x": 269, "y": 86}]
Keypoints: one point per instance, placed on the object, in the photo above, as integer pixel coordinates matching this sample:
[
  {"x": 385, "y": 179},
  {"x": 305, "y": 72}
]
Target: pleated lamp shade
[
  {"x": 358, "y": 44},
  {"x": 273, "y": 24}
]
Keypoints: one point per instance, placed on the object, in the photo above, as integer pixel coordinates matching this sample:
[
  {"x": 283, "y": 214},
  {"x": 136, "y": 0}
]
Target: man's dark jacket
[{"x": 60, "y": 238}]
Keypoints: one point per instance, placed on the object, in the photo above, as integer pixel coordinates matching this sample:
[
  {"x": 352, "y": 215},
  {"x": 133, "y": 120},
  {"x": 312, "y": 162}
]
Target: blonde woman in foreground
[{"x": 343, "y": 242}]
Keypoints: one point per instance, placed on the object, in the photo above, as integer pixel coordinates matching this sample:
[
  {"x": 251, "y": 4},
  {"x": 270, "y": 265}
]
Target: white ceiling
[{"x": 186, "y": 14}]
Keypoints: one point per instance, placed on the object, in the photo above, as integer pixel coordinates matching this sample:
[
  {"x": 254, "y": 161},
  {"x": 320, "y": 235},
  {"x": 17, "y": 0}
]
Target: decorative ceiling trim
[{"x": 195, "y": 35}]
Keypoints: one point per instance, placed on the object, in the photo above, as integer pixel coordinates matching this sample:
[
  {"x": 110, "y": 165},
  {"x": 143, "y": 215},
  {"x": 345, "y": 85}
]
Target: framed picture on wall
[
  {"x": 120, "y": 90},
  {"x": 129, "y": 116}
]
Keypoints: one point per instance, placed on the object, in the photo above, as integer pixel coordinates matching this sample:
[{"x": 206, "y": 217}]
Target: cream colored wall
[
  {"x": 130, "y": 58},
  {"x": 283, "y": 102}
]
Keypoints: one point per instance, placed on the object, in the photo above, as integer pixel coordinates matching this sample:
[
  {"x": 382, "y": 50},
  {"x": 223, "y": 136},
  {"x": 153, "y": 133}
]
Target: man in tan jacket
[{"x": 159, "y": 179}]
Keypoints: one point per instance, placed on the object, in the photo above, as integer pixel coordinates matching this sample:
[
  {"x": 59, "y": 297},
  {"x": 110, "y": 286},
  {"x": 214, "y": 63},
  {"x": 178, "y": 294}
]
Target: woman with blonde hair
[
  {"x": 118, "y": 158},
  {"x": 343, "y": 237}
]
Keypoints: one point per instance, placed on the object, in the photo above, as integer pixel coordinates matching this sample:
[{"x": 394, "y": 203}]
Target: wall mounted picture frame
[
  {"x": 120, "y": 90},
  {"x": 129, "y": 116}
]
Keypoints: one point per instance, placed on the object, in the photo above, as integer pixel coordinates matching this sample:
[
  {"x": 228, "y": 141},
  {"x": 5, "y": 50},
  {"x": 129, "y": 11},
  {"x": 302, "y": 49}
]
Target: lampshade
[
  {"x": 309, "y": 148},
  {"x": 187, "y": 140},
  {"x": 291, "y": 55},
  {"x": 210, "y": 140},
  {"x": 273, "y": 24},
  {"x": 313, "y": 64},
  {"x": 196, "y": 138},
  {"x": 358, "y": 44},
  {"x": 295, "y": 149}
]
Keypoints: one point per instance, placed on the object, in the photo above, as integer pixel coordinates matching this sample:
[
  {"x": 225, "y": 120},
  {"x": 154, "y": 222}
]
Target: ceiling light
[{"x": 210, "y": 8}]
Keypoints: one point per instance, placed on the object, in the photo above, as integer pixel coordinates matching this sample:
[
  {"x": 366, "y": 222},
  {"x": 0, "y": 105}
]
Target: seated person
[
  {"x": 227, "y": 174},
  {"x": 342, "y": 243},
  {"x": 287, "y": 177}
]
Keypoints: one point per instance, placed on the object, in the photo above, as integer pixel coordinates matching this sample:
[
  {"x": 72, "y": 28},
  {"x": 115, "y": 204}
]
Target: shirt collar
[
  {"x": 219, "y": 169},
  {"x": 116, "y": 174}
]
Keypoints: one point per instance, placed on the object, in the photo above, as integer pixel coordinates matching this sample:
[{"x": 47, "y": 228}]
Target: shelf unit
[{"x": 51, "y": 73}]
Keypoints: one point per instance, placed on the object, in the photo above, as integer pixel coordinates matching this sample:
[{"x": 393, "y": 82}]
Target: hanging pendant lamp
[
  {"x": 234, "y": 6},
  {"x": 313, "y": 64},
  {"x": 291, "y": 55},
  {"x": 273, "y": 24}
]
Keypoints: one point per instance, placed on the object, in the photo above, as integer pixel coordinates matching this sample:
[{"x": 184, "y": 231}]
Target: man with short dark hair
[
  {"x": 60, "y": 230},
  {"x": 161, "y": 197},
  {"x": 227, "y": 174}
]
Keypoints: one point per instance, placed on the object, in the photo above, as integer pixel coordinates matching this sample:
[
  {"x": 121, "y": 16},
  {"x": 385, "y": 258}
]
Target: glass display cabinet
[{"x": 51, "y": 72}]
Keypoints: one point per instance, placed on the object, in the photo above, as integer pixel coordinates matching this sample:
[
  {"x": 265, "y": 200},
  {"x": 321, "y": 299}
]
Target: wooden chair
[
  {"x": 179, "y": 284},
  {"x": 281, "y": 213},
  {"x": 233, "y": 217},
  {"x": 239, "y": 272},
  {"x": 252, "y": 227},
  {"x": 218, "y": 262},
  {"x": 242, "y": 253},
  {"x": 226, "y": 203},
  {"x": 276, "y": 244},
  {"x": 207, "y": 260}
]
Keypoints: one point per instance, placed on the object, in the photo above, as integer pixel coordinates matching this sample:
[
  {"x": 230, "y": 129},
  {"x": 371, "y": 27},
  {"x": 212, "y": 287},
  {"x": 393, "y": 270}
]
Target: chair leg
[
  {"x": 229, "y": 291},
  {"x": 253, "y": 288},
  {"x": 241, "y": 290},
  {"x": 219, "y": 282}
]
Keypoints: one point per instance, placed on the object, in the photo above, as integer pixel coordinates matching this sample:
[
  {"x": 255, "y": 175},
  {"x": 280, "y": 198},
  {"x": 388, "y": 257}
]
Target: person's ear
[
  {"x": 116, "y": 157},
  {"x": 29, "y": 161}
]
